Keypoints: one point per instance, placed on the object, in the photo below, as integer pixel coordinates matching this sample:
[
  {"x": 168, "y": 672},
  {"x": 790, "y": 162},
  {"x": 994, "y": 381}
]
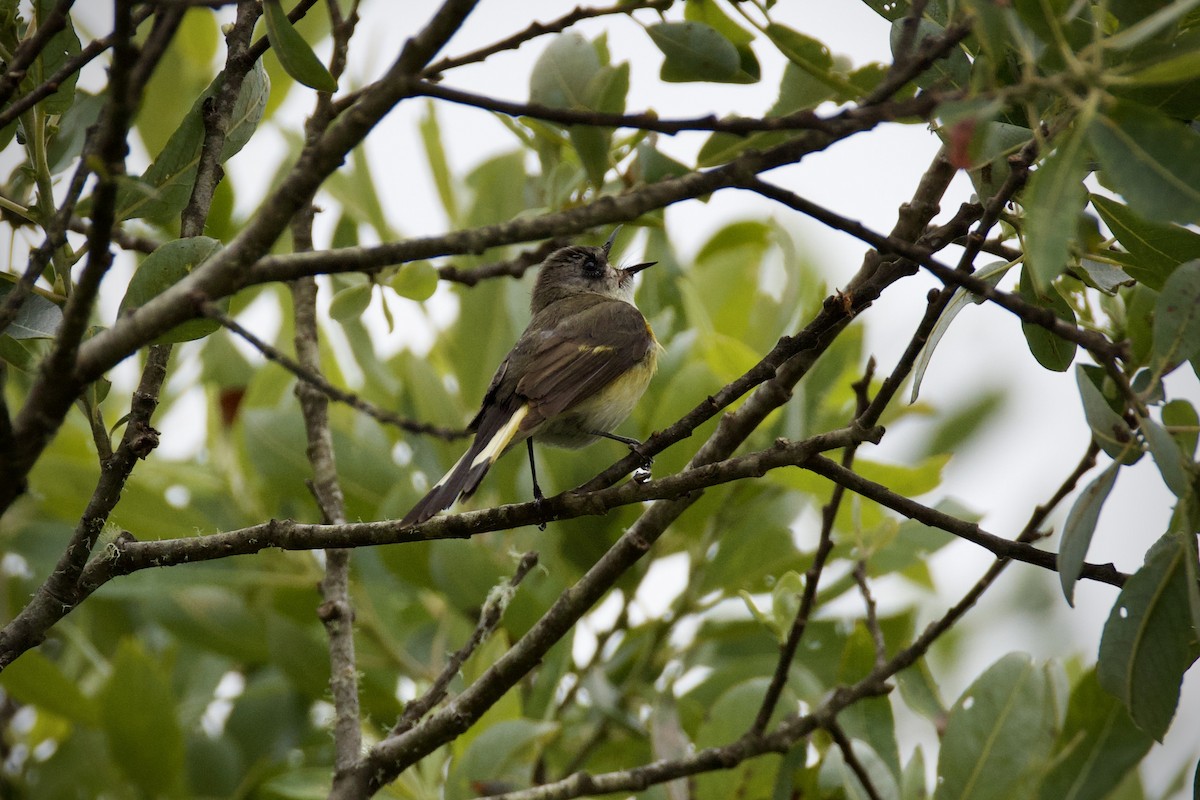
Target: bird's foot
[{"x": 540, "y": 500}]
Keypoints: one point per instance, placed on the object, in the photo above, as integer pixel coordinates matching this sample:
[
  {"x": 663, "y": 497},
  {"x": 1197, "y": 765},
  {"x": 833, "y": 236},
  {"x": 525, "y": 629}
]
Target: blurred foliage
[{"x": 212, "y": 680}]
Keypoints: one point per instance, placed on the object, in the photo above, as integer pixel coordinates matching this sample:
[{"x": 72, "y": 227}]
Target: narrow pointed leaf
[
  {"x": 1109, "y": 428},
  {"x": 1052, "y": 352},
  {"x": 1177, "y": 316},
  {"x": 37, "y": 681},
  {"x": 38, "y": 318},
  {"x": 296, "y": 57},
  {"x": 1079, "y": 527},
  {"x": 997, "y": 733},
  {"x": 164, "y": 188},
  {"x": 1151, "y": 159},
  {"x": 1053, "y": 202},
  {"x": 1149, "y": 640},
  {"x": 139, "y": 718},
  {"x": 1156, "y": 247},
  {"x": 1168, "y": 457},
  {"x": 1099, "y": 742}
]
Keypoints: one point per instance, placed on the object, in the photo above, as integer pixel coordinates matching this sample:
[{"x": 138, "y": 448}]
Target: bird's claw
[{"x": 540, "y": 500}]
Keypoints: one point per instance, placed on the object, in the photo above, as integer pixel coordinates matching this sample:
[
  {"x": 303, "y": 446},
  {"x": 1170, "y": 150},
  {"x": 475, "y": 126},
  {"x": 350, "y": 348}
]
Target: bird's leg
[
  {"x": 642, "y": 473},
  {"x": 538, "y": 497}
]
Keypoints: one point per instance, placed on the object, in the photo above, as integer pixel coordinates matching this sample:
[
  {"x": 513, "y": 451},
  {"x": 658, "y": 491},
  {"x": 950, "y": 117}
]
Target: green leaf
[
  {"x": 694, "y": 52},
  {"x": 1098, "y": 745},
  {"x": 1158, "y": 248},
  {"x": 605, "y": 92},
  {"x": 17, "y": 355},
  {"x": 1177, "y": 68},
  {"x": 1103, "y": 276},
  {"x": 951, "y": 71},
  {"x": 991, "y": 273},
  {"x": 73, "y": 125},
  {"x": 909, "y": 480},
  {"x": 959, "y": 424},
  {"x": 1052, "y": 352},
  {"x": 139, "y": 719},
  {"x": 797, "y": 90},
  {"x": 729, "y": 717},
  {"x": 1149, "y": 640},
  {"x": 836, "y": 774},
  {"x": 1182, "y": 414},
  {"x": 562, "y": 72},
  {"x": 504, "y": 752},
  {"x": 185, "y": 69},
  {"x": 1151, "y": 159},
  {"x": 708, "y": 12},
  {"x": 62, "y": 47},
  {"x": 416, "y": 281},
  {"x": 1169, "y": 458},
  {"x": 35, "y": 680},
  {"x": 997, "y": 733},
  {"x": 912, "y": 781},
  {"x": 222, "y": 363},
  {"x": 353, "y": 186},
  {"x": 1177, "y": 317},
  {"x": 920, "y": 692},
  {"x": 807, "y": 53},
  {"x": 38, "y": 318},
  {"x": 166, "y": 266},
  {"x": 1109, "y": 428},
  {"x": 1079, "y": 527},
  {"x": 1152, "y": 24},
  {"x": 768, "y": 552},
  {"x": 1053, "y": 202},
  {"x": 351, "y": 302},
  {"x": 654, "y": 166},
  {"x": 164, "y": 188},
  {"x": 439, "y": 167},
  {"x": 294, "y": 54}
]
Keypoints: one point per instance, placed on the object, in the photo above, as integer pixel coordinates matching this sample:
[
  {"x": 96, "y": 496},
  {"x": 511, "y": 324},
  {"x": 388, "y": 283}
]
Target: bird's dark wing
[{"x": 576, "y": 359}]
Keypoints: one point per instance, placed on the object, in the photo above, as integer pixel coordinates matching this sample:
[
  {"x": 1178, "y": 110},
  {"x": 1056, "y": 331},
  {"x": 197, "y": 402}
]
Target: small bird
[{"x": 576, "y": 373}]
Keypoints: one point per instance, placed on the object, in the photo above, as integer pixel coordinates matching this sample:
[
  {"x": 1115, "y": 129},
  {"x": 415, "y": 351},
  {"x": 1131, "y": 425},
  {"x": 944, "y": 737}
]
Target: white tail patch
[{"x": 495, "y": 446}]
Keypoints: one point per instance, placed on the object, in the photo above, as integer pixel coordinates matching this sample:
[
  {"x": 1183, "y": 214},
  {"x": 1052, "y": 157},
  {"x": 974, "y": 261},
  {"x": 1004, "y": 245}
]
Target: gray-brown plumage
[{"x": 575, "y": 374}]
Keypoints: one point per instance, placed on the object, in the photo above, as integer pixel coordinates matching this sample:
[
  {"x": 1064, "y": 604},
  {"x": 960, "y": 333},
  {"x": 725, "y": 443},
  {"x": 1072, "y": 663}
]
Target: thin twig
[
  {"x": 856, "y": 766},
  {"x": 872, "y": 618},
  {"x": 69, "y": 67},
  {"x": 489, "y": 618},
  {"x": 306, "y": 375},
  {"x": 47, "y": 27},
  {"x": 512, "y": 268},
  {"x": 536, "y": 29},
  {"x": 812, "y": 577},
  {"x": 1093, "y": 341}
]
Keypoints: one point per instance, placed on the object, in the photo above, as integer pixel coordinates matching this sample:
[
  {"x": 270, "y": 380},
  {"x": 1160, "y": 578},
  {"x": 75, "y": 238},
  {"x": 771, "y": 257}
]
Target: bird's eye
[{"x": 591, "y": 267}]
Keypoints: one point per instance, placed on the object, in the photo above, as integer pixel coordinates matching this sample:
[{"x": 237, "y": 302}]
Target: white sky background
[{"x": 866, "y": 178}]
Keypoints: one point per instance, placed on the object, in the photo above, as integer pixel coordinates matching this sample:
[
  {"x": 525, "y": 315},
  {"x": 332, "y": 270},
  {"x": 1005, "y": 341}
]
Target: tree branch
[
  {"x": 336, "y": 611},
  {"x": 536, "y": 29}
]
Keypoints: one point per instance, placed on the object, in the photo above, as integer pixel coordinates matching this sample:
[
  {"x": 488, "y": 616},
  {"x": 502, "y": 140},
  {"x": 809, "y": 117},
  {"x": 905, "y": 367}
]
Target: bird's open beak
[{"x": 636, "y": 268}]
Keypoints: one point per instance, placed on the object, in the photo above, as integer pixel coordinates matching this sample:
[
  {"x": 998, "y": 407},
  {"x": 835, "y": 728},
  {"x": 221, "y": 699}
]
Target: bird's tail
[{"x": 492, "y": 439}]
